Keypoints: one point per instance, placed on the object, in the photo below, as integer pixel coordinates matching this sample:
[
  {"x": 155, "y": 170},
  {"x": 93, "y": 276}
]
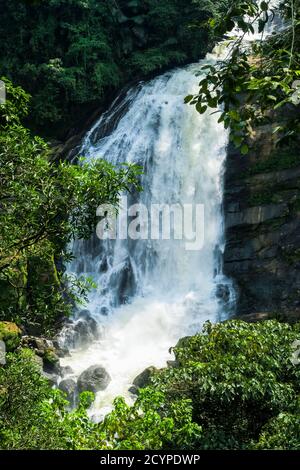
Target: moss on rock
[{"x": 10, "y": 333}]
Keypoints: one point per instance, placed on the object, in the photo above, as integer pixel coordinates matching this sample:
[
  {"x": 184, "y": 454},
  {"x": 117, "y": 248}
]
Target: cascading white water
[{"x": 153, "y": 292}]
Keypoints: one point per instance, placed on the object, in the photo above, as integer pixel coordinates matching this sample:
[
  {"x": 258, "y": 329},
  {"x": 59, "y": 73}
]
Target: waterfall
[{"x": 150, "y": 292}]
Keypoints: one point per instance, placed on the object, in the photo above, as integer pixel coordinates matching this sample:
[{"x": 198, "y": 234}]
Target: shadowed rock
[
  {"x": 93, "y": 379},
  {"x": 68, "y": 386},
  {"x": 144, "y": 379}
]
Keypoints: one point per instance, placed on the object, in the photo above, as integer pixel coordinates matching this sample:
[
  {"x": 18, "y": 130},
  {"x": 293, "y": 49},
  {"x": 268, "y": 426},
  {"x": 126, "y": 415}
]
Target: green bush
[
  {"x": 234, "y": 387},
  {"x": 239, "y": 377},
  {"x": 33, "y": 416}
]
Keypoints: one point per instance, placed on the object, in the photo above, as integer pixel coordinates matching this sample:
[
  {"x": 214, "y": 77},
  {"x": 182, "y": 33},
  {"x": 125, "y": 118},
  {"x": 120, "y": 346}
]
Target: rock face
[
  {"x": 123, "y": 281},
  {"x": 93, "y": 379},
  {"x": 262, "y": 221},
  {"x": 68, "y": 386}
]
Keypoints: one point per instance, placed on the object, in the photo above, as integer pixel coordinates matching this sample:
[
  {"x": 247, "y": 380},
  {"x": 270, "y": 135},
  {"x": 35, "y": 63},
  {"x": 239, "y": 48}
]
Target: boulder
[
  {"x": 122, "y": 280},
  {"x": 133, "y": 390},
  {"x": 104, "y": 311},
  {"x": 59, "y": 350},
  {"x": 223, "y": 292},
  {"x": 83, "y": 330},
  {"x": 69, "y": 387},
  {"x": 144, "y": 379},
  {"x": 51, "y": 362},
  {"x": 37, "y": 344},
  {"x": 93, "y": 379},
  {"x": 66, "y": 370},
  {"x": 10, "y": 334}
]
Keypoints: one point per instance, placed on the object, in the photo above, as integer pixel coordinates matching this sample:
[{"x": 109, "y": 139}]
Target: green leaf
[
  {"x": 244, "y": 149},
  {"x": 188, "y": 98},
  {"x": 264, "y": 6}
]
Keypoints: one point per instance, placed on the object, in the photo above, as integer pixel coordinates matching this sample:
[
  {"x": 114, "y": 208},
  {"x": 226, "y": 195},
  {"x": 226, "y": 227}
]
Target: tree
[
  {"x": 71, "y": 55},
  {"x": 45, "y": 204},
  {"x": 255, "y": 80}
]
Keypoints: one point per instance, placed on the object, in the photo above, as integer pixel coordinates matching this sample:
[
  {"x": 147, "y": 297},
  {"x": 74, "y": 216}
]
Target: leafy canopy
[{"x": 257, "y": 78}]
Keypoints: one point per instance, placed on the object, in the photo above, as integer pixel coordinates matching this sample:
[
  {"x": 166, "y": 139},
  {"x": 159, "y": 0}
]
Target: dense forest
[
  {"x": 232, "y": 386},
  {"x": 73, "y": 55}
]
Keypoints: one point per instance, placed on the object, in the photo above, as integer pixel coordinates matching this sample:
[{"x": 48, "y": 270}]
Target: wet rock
[
  {"x": 86, "y": 326},
  {"x": 60, "y": 350},
  {"x": 79, "y": 333},
  {"x": 85, "y": 314},
  {"x": 69, "y": 387},
  {"x": 37, "y": 344},
  {"x": 93, "y": 379},
  {"x": 103, "y": 267},
  {"x": 262, "y": 219},
  {"x": 66, "y": 370},
  {"x": 104, "y": 311},
  {"x": 223, "y": 292},
  {"x": 123, "y": 281},
  {"x": 45, "y": 350},
  {"x": 133, "y": 390},
  {"x": 51, "y": 362},
  {"x": 51, "y": 378},
  {"x": 144, "y": 379},
  {"x": 84, "y": 332}
]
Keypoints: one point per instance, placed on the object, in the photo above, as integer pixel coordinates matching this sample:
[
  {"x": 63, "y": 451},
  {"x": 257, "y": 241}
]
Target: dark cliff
[{"x": 262, "y": 219}]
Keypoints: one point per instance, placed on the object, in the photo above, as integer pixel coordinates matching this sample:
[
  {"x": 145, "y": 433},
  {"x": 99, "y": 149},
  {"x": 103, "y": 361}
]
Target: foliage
[
  {"x": 45, "y": 204},
  {"x": 10, "y": 333},
  {"x": 151, "y": 423},
  {"x": 33, "y": 416},
  {"x": 234, "y": 387},
  {"x": 70, "y": 53},
  {"x": 240, "y": 379},
  {"x": 282, "y": 432},
  {"x": 256, "y": 79}
]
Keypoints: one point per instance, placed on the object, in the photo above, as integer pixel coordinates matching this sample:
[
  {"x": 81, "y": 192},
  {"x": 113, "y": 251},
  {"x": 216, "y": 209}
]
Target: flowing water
[
  {"x": 152, "y": 292},
  {"x": 149, "y": 292}
]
